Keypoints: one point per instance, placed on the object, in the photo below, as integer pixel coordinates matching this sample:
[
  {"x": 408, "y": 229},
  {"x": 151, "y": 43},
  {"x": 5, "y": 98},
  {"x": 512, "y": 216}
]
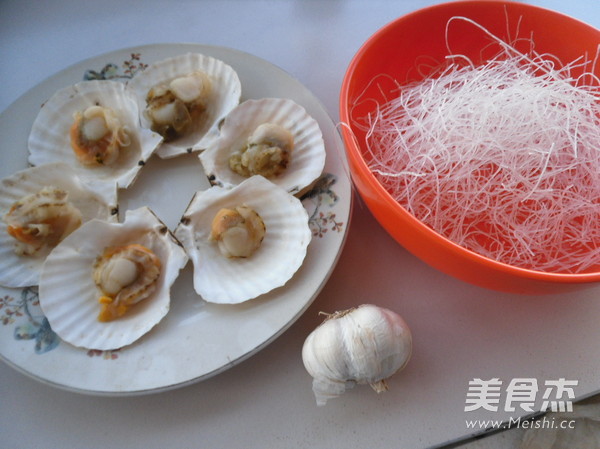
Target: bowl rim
[{"x": 352, "y": 149}]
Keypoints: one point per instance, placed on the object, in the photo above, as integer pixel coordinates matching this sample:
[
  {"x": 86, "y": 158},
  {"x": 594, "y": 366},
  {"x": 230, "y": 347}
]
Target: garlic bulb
[{"x": 365, "y": 345}]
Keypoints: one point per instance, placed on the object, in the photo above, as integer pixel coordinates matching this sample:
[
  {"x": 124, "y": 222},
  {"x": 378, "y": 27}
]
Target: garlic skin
[{"x": 365, "y": 345}]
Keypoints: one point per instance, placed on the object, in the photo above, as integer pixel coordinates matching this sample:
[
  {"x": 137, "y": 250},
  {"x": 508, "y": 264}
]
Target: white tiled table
[{"x": 460, "y": 331}]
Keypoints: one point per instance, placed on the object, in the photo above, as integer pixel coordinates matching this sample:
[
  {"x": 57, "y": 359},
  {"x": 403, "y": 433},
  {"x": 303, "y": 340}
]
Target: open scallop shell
[
  {"x": 225, "y": 95},
  {"x": 219, "y": 279},
  {"x": 69, "y": 297},
  {"x": 49, "y": 140},
  {"x": 93, "y": 199},
  {"x": 308, "y": 156}
]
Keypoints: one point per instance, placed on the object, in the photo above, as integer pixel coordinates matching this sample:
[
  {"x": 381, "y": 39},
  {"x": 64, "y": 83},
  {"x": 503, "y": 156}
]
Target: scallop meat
[
  {"x": 184, "y": 98},
  {"x": 272, "y": 137},
  {"x": 244, "y": 241},
  {"x": 39, "y": 207},
  {"x": 94, "y": 127},
  {"x": 108, "y": 284}
]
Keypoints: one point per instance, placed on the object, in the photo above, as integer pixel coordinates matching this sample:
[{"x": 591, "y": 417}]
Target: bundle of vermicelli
[{"x": 501, "y": 158}]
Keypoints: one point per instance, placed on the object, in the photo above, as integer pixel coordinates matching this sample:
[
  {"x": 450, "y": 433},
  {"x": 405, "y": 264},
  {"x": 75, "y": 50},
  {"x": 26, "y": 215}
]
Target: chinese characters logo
[{"x": 557, "y": 395}]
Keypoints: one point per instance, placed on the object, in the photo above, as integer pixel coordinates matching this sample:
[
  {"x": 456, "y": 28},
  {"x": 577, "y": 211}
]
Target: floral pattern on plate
[
  {"x": 112, "y": 71},
  {"x": 23, "y": 310}
]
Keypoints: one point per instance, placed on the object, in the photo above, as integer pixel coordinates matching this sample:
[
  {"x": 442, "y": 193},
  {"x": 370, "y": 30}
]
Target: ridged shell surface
[
  {"x": 69, "y": 296},
  {"x": 49, "y": 140},
  {"x": 94, "y": 200},
  {"x": 308, "y": 156},
  {"x": 219, "y": 279},
  {"x": 225, "y": 95}
]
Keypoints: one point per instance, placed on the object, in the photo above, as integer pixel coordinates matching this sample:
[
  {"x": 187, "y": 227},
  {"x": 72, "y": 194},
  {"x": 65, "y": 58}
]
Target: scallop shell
[
  {"x": 218, "y": 279},
  {"x": 308, "y": 156},
  {"x": 49, "y": 140},
  {"x": 225, "y": 95},
  {"x": 93, "y": 199},
  {"x": 69, "y": 297}
]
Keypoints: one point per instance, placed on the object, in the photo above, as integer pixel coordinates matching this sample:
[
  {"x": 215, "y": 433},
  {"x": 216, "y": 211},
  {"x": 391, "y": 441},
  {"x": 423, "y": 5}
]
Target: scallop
[
  {"x": 272, "y": 137},
  {"x": 185, "y": 98},
  {"x": 39, "y": 207},
  {"x": 238, "y": 231},
  {"x": 243, "y": 241},
  {"x": 108, "y": 284},
  {"x": 94, "y": 127}
]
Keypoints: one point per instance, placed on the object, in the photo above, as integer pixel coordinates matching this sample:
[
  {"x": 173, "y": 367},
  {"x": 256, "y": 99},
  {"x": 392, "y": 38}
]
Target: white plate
[{"x": 196, "y": 340}]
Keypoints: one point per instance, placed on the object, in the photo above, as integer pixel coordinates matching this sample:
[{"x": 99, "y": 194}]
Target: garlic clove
[{"x": 365, "y": 345}]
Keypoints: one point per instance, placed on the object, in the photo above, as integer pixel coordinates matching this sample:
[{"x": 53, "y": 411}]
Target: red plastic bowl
[{"x": 395, "y": 50}]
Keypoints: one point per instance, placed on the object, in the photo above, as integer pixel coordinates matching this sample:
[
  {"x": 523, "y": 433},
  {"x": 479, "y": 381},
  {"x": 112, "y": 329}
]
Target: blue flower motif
[
  {"x": 36, "y": 327},
  {"x": 113, "y": 71},
  {"x": 109, "y": 71}
]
